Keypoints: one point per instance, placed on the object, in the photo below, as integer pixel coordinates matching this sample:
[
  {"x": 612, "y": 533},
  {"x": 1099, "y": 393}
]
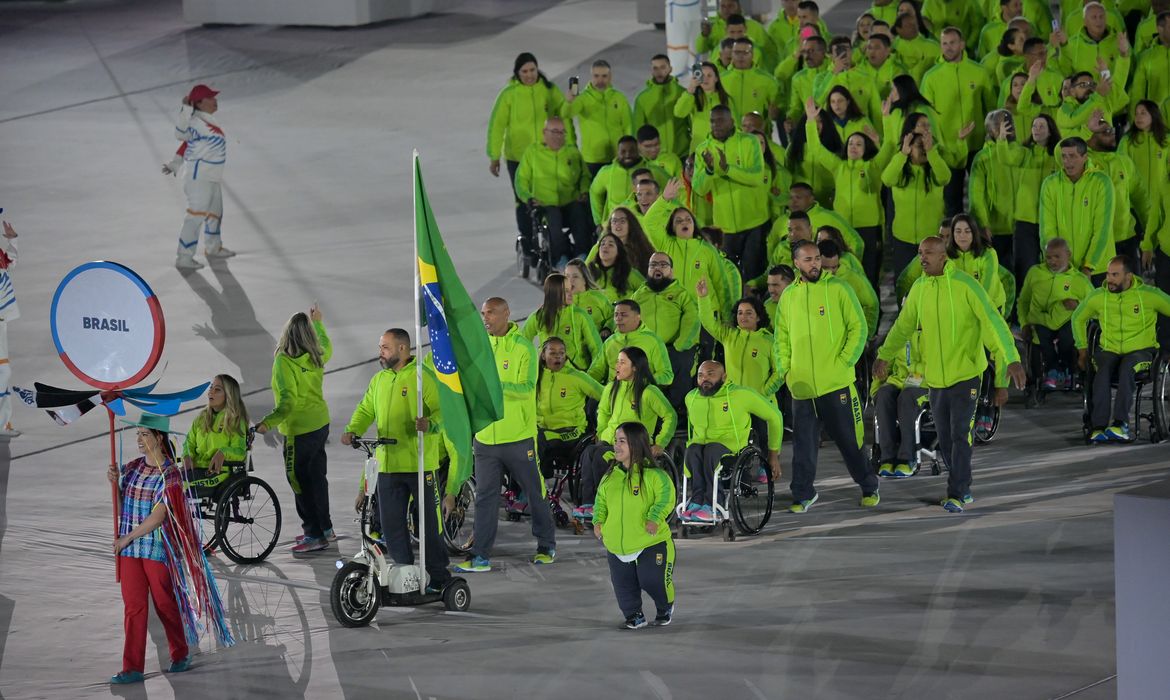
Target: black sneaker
[
  {"x": 635, "y": 621},
  {"x": 664, "y": 617}
]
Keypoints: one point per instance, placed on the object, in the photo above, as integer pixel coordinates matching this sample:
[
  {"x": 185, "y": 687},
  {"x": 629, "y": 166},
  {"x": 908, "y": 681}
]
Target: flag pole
[
  {"x": 421, "y": 499},
  {"x": 115, "y": 494}
]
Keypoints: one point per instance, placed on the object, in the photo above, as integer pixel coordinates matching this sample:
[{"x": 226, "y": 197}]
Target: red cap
[{"x": 200, "y": 92}]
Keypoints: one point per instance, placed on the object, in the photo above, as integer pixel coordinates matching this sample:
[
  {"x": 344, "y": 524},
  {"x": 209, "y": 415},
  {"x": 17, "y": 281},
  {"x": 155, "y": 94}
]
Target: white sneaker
[
  {"x": 185, "y": 262},
  {"x": 219, "y": 252}
]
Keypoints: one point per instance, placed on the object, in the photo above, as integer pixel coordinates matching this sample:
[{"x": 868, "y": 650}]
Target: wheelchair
[
  {"x": 668, "y": 461},
  {"x": 238, "y": 513},
  {"x": 458, "y": 525},
  {"x": 746, "y": 505},
  {"x": 566, "y": 486},
  {"x": 534, "y": 254},
  {"x": 1151, "y": 396},
  {"x": 1033, "y": 360},
  {"x": 984, "y": 430},
  {"x": 926, "y": 450}
]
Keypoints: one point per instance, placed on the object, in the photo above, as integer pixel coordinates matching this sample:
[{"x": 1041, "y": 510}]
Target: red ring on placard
[{"x": 156, "y": 316}]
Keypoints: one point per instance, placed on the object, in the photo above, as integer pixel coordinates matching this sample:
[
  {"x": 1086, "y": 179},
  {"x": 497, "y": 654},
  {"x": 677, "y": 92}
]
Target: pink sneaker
[
  {"x": 309, "y": 544},
  {"x": 329, "y": 535}
]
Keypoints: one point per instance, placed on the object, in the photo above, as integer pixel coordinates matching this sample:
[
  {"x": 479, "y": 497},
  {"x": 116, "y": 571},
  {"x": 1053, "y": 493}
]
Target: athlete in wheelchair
[
  {"x": 553, "y": 181},
  {"x": 239, "y": 512},
  {"x": 900, "y": 400},
  {"x": 1124, "y": 348},
  {"x": 721, "y": 461},
  {"x": 1052, "y": 291},
  {"x": 562, "y": 423}
]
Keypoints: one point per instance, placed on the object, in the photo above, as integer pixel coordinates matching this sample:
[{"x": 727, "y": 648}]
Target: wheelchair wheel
[
  {"x": 1160, "y": 431},
  {"x": 205, "y": 510},
  {"x": 675, "y": 473},
  {"x": 459, "y": 525},
  {"x": 521, "y": 260},
  {"x": 576, "y": 468},
  {"x": 354, "y": 595},
  {"x": 247, "y": 523},
  {"x": 751, "y": 498}
]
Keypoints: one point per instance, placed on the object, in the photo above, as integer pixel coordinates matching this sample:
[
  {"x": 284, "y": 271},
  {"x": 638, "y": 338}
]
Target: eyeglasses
[
  {"x": 618, "y": 220},
  {"x": 661, "y": 263}
]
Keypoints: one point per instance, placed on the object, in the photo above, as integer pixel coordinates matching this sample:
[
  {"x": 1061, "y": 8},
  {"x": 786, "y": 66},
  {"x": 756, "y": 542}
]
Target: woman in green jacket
[
  {"x": 558, "y": 317},
  {"x": 633, "y": 501},
  {"x": 971, "y": 252},
  {"x": 517, "y": 121},
  {"x": 627, "y": 226},
  {"x": 612, "y": 271},
  {"x": 632, "y": 396},
  {"x": 219, "y": 434},
  {"x": 1033, "y": 161},
  {"x": 916, "y": 176},
  {"x": 1149, "y": 148},
  {"x": 697, "y": 102},
  {"x": 561, "y": 393},
  {"x": 588, "y": 297},
  {"x": 302, "y": 417},
  {"x": 858, "y": 182}
]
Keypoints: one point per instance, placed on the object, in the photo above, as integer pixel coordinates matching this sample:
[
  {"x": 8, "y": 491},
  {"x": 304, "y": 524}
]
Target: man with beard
[
  {"x": 820, "y": 336},
  {"x": 654, "y": 106},
  {"x": 1128, "y": 313},
  {"x": 671, "y": 312},
  {"x": 613, "y": 183},
  {"x": 629, "y": 330},
  {"x": 391, "y": 405},
  {"x": 957, "y": 324},
  {"x": 719, "y": 420}
]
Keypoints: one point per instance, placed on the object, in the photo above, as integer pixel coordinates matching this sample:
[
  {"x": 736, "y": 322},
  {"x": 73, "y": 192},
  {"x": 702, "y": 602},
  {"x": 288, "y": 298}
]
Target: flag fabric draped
[
  {"x": 470, "y": 396},
  {"x": 67, "y": 405}
]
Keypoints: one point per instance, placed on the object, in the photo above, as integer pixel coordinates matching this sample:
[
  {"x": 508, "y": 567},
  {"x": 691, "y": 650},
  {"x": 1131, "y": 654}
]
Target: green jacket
[
  {"x": 747, "y": 355},
  {"x": 866, "y": 296},
  {"x": 572, "y": 325},
  {"x": 655, "y": 414},
  {"x": 918, "y": 55},
  {"x": 1151, "y": 77},
  {"x": 1072, "y": 119},
  {"x": 1044, "y": 292},
  {"x": 612, "y": 186},
  {"x": 1127, "y": 188},
  {"x": 605, "y": 283},
  {"x": 672, "y": 314},
  {"x": 907, "y": 367},
  {"x": 957, "y": 321},
  {"x": 201, "y": 445},
  {"x": 1158, "y": 233},
  {"x": 560, "y": 400},
  {"x": 802, "y": 86},
  {"x": 516, "y": 364},
  {"x": 738, "y": 193},
  {"x": 820, "y": 336},
  {"x": 597, "y": 307},
  {"x": 725, "y": 417},
  {"x": 553, "y": 178},
  {"x": 1129, "y": 319},
  {"x": 1031, "y": 164},
  {"x": 642, "y": 338},
  {"x": 391, "y": 405},
  {"x": 603, "y": 117},
  {"x": 625, "y": 503},
  {"x": 754, "y": 30},
  {"x": 1080, "y": 212},
  {"x": 991, "y": 188},
  {"x": 654, "y": 105},
  {"x": 1152, "y": 162},
  {"x": 698, "y": 117},
  {"x": 751, "y": 90},
  {"x": 1081, "y": 54},
  {"x": 858, "y": 182},
  {"x": 918, "y": 205},
  {"x": 694, "y": 258},
  {"x": 861, "y": 83},
  {"x": 296, "y": 390},
  {"x": 517, "y": 119},
  {"x": 962, "y": 92}
]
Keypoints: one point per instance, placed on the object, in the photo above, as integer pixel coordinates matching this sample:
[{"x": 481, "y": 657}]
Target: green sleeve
[
  {"x": 685, "y": 105},
  {"x": 191, "y": 440},
  {"x": 993, "y": 329},
  {"x": 326, "y": 344},
  {"x": 1102, "y": 223},
  {"x": 363, "y": 414},
  {"x": 283, "y": 390},
  {"x": 661, "y": 408},
  {"x": 703, "y": 181},
  {"x": 773, "y": 380},
  {"x": 666, "y": 374},
  {"x": 901, "y": 330},
  {"x": 663, "y": 497},
  {"x": 597, "y": 368},
  {"x": 531, "y": 327},
  {"x": 782, "y": 348},
  {"x": 759, "y": 407},
  {"x": 528, "y": 369},
  {"x": 584, "y": 179},
  {"x": 431, "y": 408},
  {"x": 856, "y": 330},
  {"x": 893, "y": 172},
  {"x": 752, "y": 172},
  {"x": 590, "y": 338},
  {"x": 1086, "y": 311},
  {"x": 236, "y": 450},
  {"x": 907, "y": 277},
  {"x": 1047, "y": 217},
  {"x": 603, "y": 406},
  {"x": 597, "y": 194},
  {"x": 940, "y": 172},
  {"x": 717, "y": 330},
  {"x": 1157, "y": 300},
  {"x": 600, "y": 507},
  {"x": 827, "y": 159},
  {"x": 524, "y": 176},
  {"x": 977, "y": 189},
  {"x": 498, "y": 123},
  {"x": 1024, "y": 305},
  {"x": 656, "y": 219},
  {"x": 688, "y": 323},
  {"x": 588, "y": 385}
]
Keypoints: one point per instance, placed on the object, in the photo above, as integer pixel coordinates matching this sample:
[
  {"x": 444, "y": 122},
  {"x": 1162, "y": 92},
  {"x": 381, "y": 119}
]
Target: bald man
[
  {"x": 552, "y": 177},
  {"x": 719, "y": 421},
  {"x": 509, "y": 444},
  {"x": 958, "y": 326}
]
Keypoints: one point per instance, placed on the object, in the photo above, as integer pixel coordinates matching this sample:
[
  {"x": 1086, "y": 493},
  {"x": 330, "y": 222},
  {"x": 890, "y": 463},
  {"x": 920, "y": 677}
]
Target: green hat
[{"x": 149, "y": 420}]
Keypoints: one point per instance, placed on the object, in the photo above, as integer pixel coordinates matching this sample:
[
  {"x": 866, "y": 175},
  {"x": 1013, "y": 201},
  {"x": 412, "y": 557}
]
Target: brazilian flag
[{"x": 470, "y": 396}]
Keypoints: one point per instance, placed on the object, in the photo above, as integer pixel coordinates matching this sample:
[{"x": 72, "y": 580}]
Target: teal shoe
[
  {"x": 1118, "y": 432},
  {"x": 127, "y": 677},
  {"x": 180, "y": 665},
  {"x": 474, "y": 565},
  {"x": 803, "y": 506}
]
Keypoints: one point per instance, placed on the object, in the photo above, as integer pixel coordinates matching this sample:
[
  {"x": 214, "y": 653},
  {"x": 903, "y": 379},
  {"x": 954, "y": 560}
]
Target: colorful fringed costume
[{"x": 166, "y": 564}]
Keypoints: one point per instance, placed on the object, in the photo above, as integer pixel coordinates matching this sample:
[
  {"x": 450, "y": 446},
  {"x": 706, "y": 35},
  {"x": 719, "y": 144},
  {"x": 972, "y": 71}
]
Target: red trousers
[{"x": 143, "y": 578}]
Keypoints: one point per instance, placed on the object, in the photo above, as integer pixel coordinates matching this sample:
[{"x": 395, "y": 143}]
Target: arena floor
[{"x": 1014, "y": 599}]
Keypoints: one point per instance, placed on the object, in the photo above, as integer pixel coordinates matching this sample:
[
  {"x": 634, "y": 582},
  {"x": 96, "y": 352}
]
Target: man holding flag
[{"x": 470, "y": 395}]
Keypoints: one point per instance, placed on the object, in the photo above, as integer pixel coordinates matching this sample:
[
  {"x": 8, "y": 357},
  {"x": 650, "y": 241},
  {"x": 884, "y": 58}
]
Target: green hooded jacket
[
  {"x": 642, "y": 338},
  {"x": 725, "y": 417},
  {"x": 918, "y": 205},
  {"x": 1044, "y": 293},
  {"x": 626, "y": 502},
  {"x": 518, "y": 116},
  {"x": 603, "y": 117},
  {"x": 296, "y": 390},
  {"x": 201, "y": 445},
  {"x": 560, "y": 401},
  {"x": 572, "y": 325},
  {"x": 616, "y": 406},
  {"x": 1129, "y": 319},
  {"x": 672, "y": 314},
  {"x": 739, "y": 195},
  {"x": 553, "y": 178},
  {"x": 819, "y": 337},
  {"x": 1081, "y": 213},
  {"x": 391, "y": 405},
  {"x": 516, "y": 364},
  {"x": 654, "y": 105},
  {"x": 747, "y": 355}
]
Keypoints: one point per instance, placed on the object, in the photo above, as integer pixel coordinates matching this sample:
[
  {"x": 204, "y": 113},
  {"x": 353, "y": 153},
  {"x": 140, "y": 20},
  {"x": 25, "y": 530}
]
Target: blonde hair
[
  {"x": 299, "y": 338},
  {"x": 234, "y": 411}
]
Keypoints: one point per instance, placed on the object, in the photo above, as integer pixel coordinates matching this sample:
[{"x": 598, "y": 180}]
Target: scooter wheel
[
  {"x": 457, "y": 596},
  {"x": 354, "y": 603}
]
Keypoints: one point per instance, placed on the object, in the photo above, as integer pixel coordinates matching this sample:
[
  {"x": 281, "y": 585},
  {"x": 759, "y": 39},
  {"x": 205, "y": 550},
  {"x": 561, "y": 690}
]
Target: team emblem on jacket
[
  {"x": 697, "y": 263},
  {"x": 505, "y": 364},
  {"x": 755, "y": 352},
  {"x": 1085, "y": 202},
  {"x": 1066, "y": 286},
  {"x": 725, "y": 407},
  {"x": 404, "y": 391},
  {"x": 564, "y": 391},
  {"x": 567, "y": 330},
  {"x": 1137, "y": 309},
  {"x": 822, "y": 311}
]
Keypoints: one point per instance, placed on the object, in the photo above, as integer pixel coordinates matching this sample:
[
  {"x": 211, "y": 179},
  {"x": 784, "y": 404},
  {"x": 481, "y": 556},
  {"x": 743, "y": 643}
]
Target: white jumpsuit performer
[
  {"x": 204, "y": 152},
  {"x": 9, "y": 311}
]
